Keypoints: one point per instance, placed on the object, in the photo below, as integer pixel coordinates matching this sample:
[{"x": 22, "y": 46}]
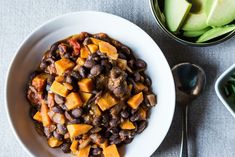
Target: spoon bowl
[{"x": 190, "y": 80}]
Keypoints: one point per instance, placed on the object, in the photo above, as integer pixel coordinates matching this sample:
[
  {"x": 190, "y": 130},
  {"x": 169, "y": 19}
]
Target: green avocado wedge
[
  {"x": 216, "y": 32},
  {"x": 176, "y": 12},
  {"x": 195, "y": 33},
  {"x": 220, "y": 12},
  {"x": 197, "y": 17}
]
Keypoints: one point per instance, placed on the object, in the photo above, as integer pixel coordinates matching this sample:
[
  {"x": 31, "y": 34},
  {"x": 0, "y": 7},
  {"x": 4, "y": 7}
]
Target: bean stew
[{"x": 90, "y": 95}]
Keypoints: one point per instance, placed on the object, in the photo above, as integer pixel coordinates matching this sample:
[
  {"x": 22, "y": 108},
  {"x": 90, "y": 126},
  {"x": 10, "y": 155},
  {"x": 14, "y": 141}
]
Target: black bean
[
  {"x": 96, "y": 70},
  {"x": 116, "y": 141},
  {"x": 68, "y": 116},
  {"x": 77, "y": 112},
  {"x": 65, "y": 147},
  {"x": 88, "y": 119},
  {"x": 89, "y": 63},
  {"x": 74, "y": 74},
  {"x": 47, "y": 132},
  {"x": 75, "y": 121},
  {"x": 125, "y": 114},
  {"x": 141, "y": 126},
  {"x": 97, "y": 121},
  {"x": 114, "y": 131},
  {"x": 105, "y": 118},
  {"x": 122, "y": 56},
  {"x": 114, "y": 122},
  {"x": 59, "y": 99},
  {"x": 96, "y": 151},
  {"x": 135, "y": 117},
  {"x": 148, "y": 81},
  {"x": 82, "y": 72},
  {"x": 68, "y": 79},
  {"x": 66, "y": 55},
  {"x": 113, "y": 137},
  {"x": 57, "y": 109},
  {"x": 140, "y": 64},
  {"x": 128, "y": 140},
  {"x": 130, "y": 63},
  {"x": 57, "y": 135},
  {"x": 137, "y": 77},
  {"x": 61, "y": 129},
  {"x": 43, "y": 65},
  {"x": 107, "y": 134},
  {"x": 50, "y": 79},
  {"x": 126, "y": 50},
  {"x": 125, "y": 134},
  {"x": 133, "y": 111}
]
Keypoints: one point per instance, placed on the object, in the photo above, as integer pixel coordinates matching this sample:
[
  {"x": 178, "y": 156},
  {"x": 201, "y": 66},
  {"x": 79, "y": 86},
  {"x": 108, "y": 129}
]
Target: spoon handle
[{"x": 184, "y": 145}]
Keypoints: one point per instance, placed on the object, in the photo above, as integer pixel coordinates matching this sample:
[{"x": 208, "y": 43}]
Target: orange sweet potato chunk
[
  {"x": 135, "y": 100},
  {"x": 80, "y": 61},
  {"x": 85, "y": 96},
  {"x": 95, "y": 41},
  {"x": 78, "y": 129},
  {"x": 111, "y": 151},
  {"x": 92, "y": 47},
  {"x": 108, "y": 49},
  {"x": 62, "y": 65},
  {"x": 106, "y": 101},
  {"x": 85, "y": 85},
  {"x": 84, "y": 52},
  {"x": 39, "y": 82},
  {"x": 84, "y": 152},
  {"x": 59, "y": 88},
  {"x": 46, "y": 121},
  {"x": 73, "y": 100},
  {"x": 140, "y": 86},
  {"x": 143, "y": 114},
  {"x": 127, "y": 125},
  {"x": 37, "y": 117},
  {"x": 74, "y": 146},
  {"x": 54, "y": 142}
]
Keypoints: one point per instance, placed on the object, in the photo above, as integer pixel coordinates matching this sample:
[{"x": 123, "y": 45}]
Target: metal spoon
[{"x": 190, "y": 80}]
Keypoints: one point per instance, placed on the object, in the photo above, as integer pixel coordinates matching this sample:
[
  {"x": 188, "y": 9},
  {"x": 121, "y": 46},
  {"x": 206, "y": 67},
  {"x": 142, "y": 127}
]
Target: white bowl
[
  {"x": 31, "y": 50},
  {"x": 228, "y": 103}
]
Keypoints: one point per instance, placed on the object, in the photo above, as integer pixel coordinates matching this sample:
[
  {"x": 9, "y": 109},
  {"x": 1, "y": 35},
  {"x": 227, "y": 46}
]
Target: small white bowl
[
  {"x": 219, "y": 89},
  {"x": 30, "y": 52}
]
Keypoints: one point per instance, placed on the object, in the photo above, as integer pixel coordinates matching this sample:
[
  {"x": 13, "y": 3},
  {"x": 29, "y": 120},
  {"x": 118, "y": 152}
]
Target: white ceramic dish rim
[
  {"x": 16, "y": 55},
  {"x": 218, "y": 91}
]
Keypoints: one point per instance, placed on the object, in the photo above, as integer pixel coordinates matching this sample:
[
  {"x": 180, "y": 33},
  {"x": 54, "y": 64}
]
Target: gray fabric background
[{"x": 212, "y": 129}]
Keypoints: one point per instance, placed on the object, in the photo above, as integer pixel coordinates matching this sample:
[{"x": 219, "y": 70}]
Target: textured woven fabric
[{"x": 212, "y": 128}]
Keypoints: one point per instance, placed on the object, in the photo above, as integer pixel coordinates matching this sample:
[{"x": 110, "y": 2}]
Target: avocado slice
[
  {"x": 195, "y": 33},
  {"x": 197, "y": 18},
  {"x": 216, "y": 32},
  {"x": 220, "y": 12},
  {"x": 175, "y": 12}
]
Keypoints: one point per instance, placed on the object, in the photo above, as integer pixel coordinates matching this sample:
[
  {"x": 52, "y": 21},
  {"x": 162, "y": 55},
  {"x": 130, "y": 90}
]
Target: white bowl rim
[
  {"x": 218, "y": 92},
  {"x": 36, "y": 30}
]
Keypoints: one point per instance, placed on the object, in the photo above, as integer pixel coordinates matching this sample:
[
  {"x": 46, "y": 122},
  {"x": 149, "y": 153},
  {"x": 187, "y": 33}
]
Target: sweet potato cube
[
  {"x": 85, "y": 85},
  {"x": 127, "y": 125},
  {"x": 108, "y": 49},
  {"x": 59, "y": 88},
  {"x": 84, "y": 52},
  {"x": 96, "y": 110},
  {"x": 92, "y": 47},
  {"x": 37, "y": 117},
  {"x": 135, "y": 100},
  {"x": 78, "y": 129},
  {"x": 46, "y": 121},
  {"x": 39, "y": 82},
  {"x": 62, "y": 65},
  {"x": 96, "y": 41},
  {"x": 80, "y": 61},
  {"x": 84, "y": 152},
  {"x": 74, "y": 146},
  {"x": 54, "y": 142},
  {"x": 85, "y": 96},
  {"x": 143, "y": 114},
  {"x": 139, "y": 86},
  {"x": 73, "y": 100},
  {"x": 106, "y": 101},
  {"x": 111, "y": 151}
]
